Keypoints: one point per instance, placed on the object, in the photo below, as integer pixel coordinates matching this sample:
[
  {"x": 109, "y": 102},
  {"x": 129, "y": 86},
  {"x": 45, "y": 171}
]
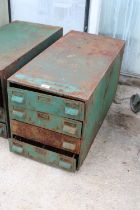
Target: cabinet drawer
[
  {"x": 43, "y": 155},
  {"x": 2, "y": 115},
  {"x": 46, "y": 136},
  {"x": 3, "y": 130},
  {"x": 46, "y": 103},
  {"x": 47, "y": 121}
]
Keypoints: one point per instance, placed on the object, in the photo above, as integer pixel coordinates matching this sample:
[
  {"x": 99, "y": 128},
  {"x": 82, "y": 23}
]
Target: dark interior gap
[
  {"x": 1, "y": 96},
  {"x": 43, "y": 146}
]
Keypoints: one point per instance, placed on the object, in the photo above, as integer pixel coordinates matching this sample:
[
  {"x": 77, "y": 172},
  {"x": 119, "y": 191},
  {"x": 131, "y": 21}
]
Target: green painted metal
[
  {"x": 19, "y": 37},
  {"x": 97, "y": 107},
  {"x": 17, "y": 149},
  {"x": 46, "y": 103},
  {"x": 43, "y": 155},
  {"x": 52, "y": 122},
  {"x": 20, "y": 42},
  {"x": 17, "y": 99}
]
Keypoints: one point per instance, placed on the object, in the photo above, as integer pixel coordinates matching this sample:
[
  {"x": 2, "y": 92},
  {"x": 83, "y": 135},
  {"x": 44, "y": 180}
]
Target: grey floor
[{"x": 108, "y": 180}]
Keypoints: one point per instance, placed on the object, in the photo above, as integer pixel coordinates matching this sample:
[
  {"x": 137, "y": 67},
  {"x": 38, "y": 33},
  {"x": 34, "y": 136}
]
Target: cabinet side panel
[{"x": 98, "y": 106}]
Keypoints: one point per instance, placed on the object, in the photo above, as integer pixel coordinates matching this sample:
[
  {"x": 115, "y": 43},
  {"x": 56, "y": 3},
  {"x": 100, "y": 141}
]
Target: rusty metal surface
[
  {"x": 72, "y": 67},
  {"x": 45, "y": 136},
  {"x": 19, "y": 43}
]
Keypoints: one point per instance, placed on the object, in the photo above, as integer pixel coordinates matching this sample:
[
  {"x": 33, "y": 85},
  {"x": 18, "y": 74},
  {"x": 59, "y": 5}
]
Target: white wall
[
  {"x": 67, "y": 13},
  {"x": 121, "y": 19},
  {"x": 4, "y": 16}
]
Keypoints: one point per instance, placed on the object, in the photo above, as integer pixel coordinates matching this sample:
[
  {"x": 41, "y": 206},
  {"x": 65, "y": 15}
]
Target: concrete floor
[{"x": 108, "y": 180}]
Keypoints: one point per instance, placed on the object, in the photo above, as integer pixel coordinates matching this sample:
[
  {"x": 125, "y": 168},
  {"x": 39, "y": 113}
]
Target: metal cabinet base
[{"x": 20, "y": 42}]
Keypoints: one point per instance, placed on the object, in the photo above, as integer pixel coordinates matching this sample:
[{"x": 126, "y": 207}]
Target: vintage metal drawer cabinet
[
  {"x": 19, "y": 43},
  {"x": 58, "y": 101}
]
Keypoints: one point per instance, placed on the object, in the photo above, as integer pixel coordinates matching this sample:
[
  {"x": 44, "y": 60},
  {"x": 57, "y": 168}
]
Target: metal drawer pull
[
  {"x": 64, "y": 164},
  {"x": 43, "y": 116},
  {"x": 69, "y": 128},
  {"x": 69, "y": 146},
  {"x": 17, "y": 149},
  {"x": 18, "y": 114},
  {"x": 17, "y": 99},
  {"x": 71, "y": 111}
]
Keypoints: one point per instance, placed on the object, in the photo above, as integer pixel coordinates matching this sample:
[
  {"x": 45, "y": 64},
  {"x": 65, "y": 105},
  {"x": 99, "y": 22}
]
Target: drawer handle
[
  {"x": 69, "y": 146},
  {"x": 17, "y": 149},
  {"x": 69, "y": 128},
  {"x": 18, "y": 114},
  {"x": 71, "y": 111},
  {"x": 17, "y": 99},
  {"x": 65, "y": 165}
]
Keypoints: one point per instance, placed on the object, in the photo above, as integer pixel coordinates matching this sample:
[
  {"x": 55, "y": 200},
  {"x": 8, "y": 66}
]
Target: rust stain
[{"x": 44, "y": 136}]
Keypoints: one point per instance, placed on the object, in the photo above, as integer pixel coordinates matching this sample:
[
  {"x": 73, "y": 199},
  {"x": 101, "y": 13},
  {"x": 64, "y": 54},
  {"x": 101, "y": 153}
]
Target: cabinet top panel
[
  {"x": 72, "y": 67},
  {"x": 18, "y": 38}
]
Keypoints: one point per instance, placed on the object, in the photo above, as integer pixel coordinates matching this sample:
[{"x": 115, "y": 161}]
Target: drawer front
[
  {"x": 2, "y": 115},
  {"x": 43, "y": 155},
  {"x": 3, "y": 131},
  {"x": 46, "y": 103},
  {"x": 47, "y": 121},
  {"x": 46, "y": 136}
]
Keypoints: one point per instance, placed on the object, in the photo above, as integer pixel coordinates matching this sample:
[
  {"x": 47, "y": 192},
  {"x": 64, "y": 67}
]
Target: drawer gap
[{"x": 43, "y": 146}]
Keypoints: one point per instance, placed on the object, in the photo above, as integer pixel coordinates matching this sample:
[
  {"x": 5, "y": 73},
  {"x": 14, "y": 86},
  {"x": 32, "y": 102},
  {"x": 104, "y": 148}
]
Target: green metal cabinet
[
  {"x": 20, "y": 42},
  {"x": 58, "y": 101}
]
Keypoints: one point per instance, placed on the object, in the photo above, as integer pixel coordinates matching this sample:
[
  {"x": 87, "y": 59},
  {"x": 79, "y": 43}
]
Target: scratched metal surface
[
  {"x": 71, "y": 67},
  {"x": 19, "y": 37}
]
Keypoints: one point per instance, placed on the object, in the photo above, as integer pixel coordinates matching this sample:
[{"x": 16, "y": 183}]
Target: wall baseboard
[{"x": 129, "y": 80}]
